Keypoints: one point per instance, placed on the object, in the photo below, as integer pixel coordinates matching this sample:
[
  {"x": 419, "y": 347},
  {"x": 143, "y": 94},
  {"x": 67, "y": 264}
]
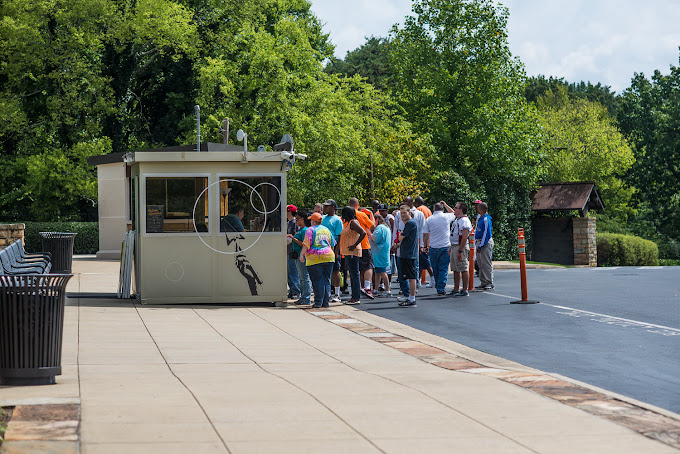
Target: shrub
[
  {"x": 614, "y": 249},
  {"x": 85, "y": 242}
]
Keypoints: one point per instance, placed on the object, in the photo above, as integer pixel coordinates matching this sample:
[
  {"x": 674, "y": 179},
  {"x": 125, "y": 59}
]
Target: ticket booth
[{"x": 209, "y": 226}]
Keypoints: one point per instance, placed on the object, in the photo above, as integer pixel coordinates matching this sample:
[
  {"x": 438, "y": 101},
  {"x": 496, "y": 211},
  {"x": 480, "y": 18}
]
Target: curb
[{"x": 652, "y": 422}]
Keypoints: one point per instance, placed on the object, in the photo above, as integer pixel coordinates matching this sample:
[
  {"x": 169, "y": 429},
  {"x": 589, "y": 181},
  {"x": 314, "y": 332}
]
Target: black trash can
[
  {"x": 31, "y": 328},
  {"x": 60, "y": 245}
]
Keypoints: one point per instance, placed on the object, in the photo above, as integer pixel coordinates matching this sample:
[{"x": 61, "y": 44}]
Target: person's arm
[
  {"x": 448, "y": 208},
  {"x": 303, "y": 252},
  {"x": 354, "y": 225},
  {"x": 426, "y": 240},
  {"x": 463, "y": 241}
]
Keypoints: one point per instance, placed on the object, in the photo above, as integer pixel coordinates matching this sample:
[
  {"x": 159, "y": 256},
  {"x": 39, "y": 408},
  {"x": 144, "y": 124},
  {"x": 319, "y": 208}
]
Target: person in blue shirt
[
  {"x": 408, "y": 253},
  {"x": 484, "y": 246},
  {"x": 332, "y": 222},
  {"x": 382, "y": 241}
]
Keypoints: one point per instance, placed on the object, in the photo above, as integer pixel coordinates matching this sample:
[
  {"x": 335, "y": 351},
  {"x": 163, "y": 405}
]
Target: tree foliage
[
  {"x": 370, "y": 60},
  {"x": 650, "y": 118},
  {"x": 456, "y": 79},
  {"x": 584, "y": 144}
]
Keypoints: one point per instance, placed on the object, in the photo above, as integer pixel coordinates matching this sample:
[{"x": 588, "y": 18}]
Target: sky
[{"x": 605, "y": 41}]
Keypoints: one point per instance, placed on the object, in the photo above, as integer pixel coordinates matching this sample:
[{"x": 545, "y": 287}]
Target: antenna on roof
[{"x": 198, "y": 127}]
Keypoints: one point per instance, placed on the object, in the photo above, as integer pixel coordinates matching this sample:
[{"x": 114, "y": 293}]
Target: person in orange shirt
[
  {"x": 419, "y": 203},
  {"x": 366, "y": 262}
]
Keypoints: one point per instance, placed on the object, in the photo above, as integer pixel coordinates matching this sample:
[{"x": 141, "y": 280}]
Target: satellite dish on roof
[{"x": 285, "y": 145}]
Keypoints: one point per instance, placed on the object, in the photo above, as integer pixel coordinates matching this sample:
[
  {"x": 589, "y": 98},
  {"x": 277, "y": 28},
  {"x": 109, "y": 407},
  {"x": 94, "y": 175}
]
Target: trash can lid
[{"x": 57, "y": 234}]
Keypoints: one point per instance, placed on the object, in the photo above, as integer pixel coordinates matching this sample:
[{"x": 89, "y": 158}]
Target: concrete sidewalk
[{"x": 217, "y": 379}]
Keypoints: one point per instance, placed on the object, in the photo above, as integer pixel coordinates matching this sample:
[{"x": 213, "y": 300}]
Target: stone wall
[
  {"x": 585, "y": 244},
  {"x": 9, "y": 233}
]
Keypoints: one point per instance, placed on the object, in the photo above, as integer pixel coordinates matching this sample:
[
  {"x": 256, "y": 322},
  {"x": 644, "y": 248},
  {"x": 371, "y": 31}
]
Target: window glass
[
  {"x": 170, "y": 204},
  {"x": 250, "y": 204}
]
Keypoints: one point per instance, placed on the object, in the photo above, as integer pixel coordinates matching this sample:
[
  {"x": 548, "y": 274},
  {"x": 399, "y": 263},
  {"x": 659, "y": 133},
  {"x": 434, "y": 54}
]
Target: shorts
[
  {"x": 460, "y": 265},
  {"x": 423, "y": 261},
  {"x": 366, "y": 260},
  {"x": 381, "y": 269},
  {"x": 408, "y": 268}
]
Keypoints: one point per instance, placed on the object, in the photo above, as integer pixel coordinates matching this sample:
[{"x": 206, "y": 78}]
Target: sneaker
[
  {"x": 489, "y": 287},
  {"x": 381, "y": 288},
  {"x": 353, "y": 302},
  {"x": 336, "y": 299},
  {"x": 367, "y": 292},
  {"x": 431, "y": 284},
  {"x": 408, "y": 304},
  {"x": 441, "y": 293},
  {"x": 480, "y": 287},
  {"x": 344, "y": 291},
  {"x": 402, "y": 299},
  {"x": 461, "y": 293},
  {"x": 453, "y": 292}
]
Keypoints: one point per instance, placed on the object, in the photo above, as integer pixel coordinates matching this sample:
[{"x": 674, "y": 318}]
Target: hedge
[
  {"x": 85, "y": 242},
  {"x": 615, "y": 249}
]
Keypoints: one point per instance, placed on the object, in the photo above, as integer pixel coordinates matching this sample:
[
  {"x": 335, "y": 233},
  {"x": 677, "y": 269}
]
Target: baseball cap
[
  {"x": 383, "y": 206},
  {"x": 316, "y": 217},
  {"x": 292, "y": 208},
  {"x": 332, "y": 203},
  {"x": 476, "y": 202}
]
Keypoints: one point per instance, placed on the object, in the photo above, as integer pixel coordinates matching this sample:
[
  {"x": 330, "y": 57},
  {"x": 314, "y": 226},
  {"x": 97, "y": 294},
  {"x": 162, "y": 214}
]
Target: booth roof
[
  {"x": 581, "y": 195},
  {"x": 205, "y": 147}
]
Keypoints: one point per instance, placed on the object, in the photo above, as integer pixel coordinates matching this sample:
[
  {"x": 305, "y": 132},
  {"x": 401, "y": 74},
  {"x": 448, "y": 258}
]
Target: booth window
[
  {"x": 170, "y": 204},
  {"x": 250, "y": 204}
]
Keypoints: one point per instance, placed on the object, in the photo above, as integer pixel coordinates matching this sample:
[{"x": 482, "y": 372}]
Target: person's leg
[
  {"x": 439, "y": 258},
  {"x": 335, "y": 280},
  {"x": 403, "y": 283},
  {"x": 456, "y": 280},
  {"x": 315, "y": 274},
  {"x": 293, "y": 279},
  {"x": 484, "y": 259},
  {"x": 353, "y": 268},
  {"x": 384, "y": 278},
  {"x": 305, "y": 284},
  {"x": 327, "y": 269}
]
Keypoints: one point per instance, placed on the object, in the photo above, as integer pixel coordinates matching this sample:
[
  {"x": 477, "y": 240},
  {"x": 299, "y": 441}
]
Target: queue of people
[{"x": 368, "y": 247}]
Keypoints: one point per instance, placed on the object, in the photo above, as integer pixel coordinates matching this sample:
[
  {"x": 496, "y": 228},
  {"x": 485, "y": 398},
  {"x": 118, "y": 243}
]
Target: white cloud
[{"x": 604, "y": 41}]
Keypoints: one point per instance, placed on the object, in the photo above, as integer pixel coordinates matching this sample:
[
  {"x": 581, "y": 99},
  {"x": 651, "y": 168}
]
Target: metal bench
[
  {"x": 8, "y": 268},
  {"x": 15, "y": 258}
]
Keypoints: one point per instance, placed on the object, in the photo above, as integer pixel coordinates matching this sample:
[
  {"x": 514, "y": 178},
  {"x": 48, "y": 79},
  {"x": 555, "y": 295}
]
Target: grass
[
  {"x": 529, "y": 262},
  {"x": 5, "y": 415}
]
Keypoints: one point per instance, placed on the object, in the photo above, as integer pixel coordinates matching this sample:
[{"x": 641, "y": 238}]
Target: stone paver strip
[{"x": 655, "y": 426}]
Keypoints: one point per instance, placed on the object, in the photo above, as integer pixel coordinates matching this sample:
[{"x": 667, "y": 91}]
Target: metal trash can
[
  {"x": 31, "y": 328},
  {"x": 60, "y": 245}
]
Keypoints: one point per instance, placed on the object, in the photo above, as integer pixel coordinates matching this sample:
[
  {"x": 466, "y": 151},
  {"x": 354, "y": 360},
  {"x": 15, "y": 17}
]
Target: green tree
[
  {"x": 538, "y": 86},
  {"x": 370, "y": 60},
  {"x": 650, "y": 119},
  {"x": 584, "y": 144},
  {"x": 456, "y": 80},
  {"x": 60, "y": 87}
]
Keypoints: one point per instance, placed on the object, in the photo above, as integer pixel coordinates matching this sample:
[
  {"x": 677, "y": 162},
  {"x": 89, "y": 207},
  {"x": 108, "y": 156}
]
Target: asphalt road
[{"x": 615, "y": 328}]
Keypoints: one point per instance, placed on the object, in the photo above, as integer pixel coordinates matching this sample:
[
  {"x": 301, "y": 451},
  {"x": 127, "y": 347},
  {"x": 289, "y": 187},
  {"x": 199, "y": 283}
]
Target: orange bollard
[
  {"x": 471, "y": 265},
  {"x": 522, "y": 269}
]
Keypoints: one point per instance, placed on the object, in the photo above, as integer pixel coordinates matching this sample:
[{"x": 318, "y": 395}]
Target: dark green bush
[
  {"x": 85, "y": 242},
  {"x": 615, "y": 249}
]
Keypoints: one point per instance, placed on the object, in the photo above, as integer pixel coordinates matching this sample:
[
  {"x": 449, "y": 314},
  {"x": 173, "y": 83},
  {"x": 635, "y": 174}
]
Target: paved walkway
[{"x": 210, "y": 379}]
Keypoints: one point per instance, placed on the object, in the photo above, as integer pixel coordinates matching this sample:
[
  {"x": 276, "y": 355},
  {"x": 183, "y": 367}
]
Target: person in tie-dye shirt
[{"x": 317, "y": 253}]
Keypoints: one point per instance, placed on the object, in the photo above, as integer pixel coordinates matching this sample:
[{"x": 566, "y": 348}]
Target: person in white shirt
[
  {"x": 436, "y": 233},
  {"x": 460, "y": 249}
]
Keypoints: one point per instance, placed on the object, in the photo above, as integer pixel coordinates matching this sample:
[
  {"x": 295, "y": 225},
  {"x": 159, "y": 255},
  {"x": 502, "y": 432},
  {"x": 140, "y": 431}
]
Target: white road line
[
  {"x": 608, "y": 319},
  {"x": 650, "y": 268}
]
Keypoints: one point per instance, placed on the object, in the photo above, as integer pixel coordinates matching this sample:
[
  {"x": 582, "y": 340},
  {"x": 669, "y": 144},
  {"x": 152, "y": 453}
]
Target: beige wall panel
[
  {"x": 266, "y": 259},
  {"x": 175, "y": 266}
]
